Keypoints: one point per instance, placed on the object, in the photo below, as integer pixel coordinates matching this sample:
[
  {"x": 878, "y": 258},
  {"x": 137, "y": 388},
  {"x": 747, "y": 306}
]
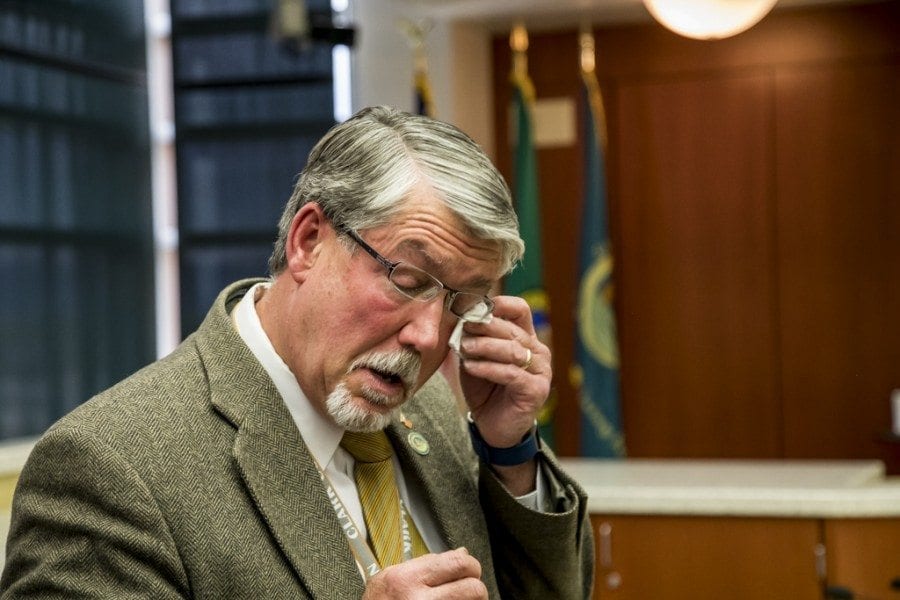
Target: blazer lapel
[
  {"x": 453, "y": 501},
  {"x": 286, "y": 486},
  {"x": 274, "y": 463}
]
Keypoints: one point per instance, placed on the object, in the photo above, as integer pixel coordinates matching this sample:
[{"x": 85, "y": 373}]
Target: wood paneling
[
  {"x": 694, "y": 278},
  {"x": 838, "y": 187},
  {"x": 675, "y": 558},
  {"x": 754, "y": 191}
]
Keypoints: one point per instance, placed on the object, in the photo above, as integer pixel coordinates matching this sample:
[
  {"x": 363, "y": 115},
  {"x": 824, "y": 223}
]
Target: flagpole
[
  {"x": 589, "y": 76},
  {"x": 596, "y": 372},
  {"x": 527, "y": 280},
  {"x": 518, "y": 42},
  {"x": 415, "y": 37}
]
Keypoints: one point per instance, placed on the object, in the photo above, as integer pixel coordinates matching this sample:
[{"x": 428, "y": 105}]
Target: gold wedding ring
[{"x": 528, "y": 357}]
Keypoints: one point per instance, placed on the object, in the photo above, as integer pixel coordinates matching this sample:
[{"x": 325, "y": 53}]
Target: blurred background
[
  {"x": 713, "y": 231},
  {"x": 752, "y": 195}
]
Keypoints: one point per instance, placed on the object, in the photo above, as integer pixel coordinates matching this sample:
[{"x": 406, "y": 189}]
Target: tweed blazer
[{"x": 190, "y": 480}]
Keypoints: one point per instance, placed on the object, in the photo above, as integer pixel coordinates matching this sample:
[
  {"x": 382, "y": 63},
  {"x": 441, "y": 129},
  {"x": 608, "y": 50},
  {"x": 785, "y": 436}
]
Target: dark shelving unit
[
  {"x": 248, "y": 110},
  {"x": 76, "y": 255}
]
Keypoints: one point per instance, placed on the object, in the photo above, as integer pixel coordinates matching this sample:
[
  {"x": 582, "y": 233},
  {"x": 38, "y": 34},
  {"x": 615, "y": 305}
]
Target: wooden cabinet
[
  {"x": 864, "y": 556},
  {"x": 744, "y": 558},
  {"x": 673, "y": 558}
]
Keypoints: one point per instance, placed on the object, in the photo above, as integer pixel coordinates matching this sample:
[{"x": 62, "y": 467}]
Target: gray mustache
[{"x": 405, "y": 364}]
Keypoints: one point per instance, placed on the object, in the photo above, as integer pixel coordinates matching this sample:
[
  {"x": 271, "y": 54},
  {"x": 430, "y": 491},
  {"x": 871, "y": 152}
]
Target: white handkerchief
[{"x": 469, "y": 317}]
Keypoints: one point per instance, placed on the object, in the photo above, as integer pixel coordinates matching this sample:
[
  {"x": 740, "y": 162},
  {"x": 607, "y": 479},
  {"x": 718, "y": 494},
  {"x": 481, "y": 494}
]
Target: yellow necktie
[{"x": 379, "y": 497}]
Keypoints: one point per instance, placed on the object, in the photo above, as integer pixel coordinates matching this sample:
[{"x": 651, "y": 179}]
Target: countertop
[
  {"x": 773, "y": 488},
  {"x": 814, "y": 488}
]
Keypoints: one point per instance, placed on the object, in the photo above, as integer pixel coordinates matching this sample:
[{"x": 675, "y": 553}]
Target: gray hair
[{"x": 363, "y": 170}]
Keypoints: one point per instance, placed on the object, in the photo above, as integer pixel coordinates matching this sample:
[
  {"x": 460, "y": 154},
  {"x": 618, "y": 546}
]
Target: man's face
[{"x": 368, "y": 348}]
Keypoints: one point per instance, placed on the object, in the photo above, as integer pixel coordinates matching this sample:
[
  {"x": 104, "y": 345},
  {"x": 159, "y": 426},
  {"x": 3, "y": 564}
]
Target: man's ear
[{"x": 304, "y": 241}]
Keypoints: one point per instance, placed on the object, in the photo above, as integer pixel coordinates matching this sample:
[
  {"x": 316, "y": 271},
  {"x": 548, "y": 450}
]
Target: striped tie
[{"x": 379, "y": 497}]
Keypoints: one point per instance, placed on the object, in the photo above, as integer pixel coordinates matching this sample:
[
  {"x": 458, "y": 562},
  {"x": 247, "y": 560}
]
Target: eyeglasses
[{"x": 416, "y": 284}]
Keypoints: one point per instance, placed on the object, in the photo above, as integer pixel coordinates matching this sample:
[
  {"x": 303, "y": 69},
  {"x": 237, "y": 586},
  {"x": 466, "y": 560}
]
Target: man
[{"x": 226, "y": 470}]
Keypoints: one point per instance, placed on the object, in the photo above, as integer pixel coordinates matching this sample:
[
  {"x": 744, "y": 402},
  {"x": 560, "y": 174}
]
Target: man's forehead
[{"x": 439, "y": 264}]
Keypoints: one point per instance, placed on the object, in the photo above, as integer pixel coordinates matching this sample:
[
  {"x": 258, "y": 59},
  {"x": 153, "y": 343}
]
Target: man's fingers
[
  {"x": 452, "y": 574},
  {"x": 531, "y": 353},
  {"x": 516, "y": 310},
  {"x": 450, "y": 566},
  {"x": 461, "y": 589}
]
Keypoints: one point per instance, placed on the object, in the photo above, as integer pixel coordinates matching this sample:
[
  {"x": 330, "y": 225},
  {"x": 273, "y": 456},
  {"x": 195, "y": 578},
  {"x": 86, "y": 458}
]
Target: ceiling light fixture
[{"x": 709, "y": 19}]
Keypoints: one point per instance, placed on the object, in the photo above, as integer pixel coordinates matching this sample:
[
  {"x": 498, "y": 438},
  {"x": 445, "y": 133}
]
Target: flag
[
  {"x": 596, "y": 352},
  {"x": 423, "y": 98},
  {"x": 416, "y": 33},
  {"x": 527, "y": 279}
]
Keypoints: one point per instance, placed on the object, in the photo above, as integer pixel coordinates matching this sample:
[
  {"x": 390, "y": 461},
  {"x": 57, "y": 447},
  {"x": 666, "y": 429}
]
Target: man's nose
[{"x": 422, "y": 330}]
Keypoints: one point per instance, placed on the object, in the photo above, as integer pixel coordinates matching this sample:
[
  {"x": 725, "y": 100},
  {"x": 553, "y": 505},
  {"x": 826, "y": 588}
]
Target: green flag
[
  {"x": 597, "y": 353},
  {"x": 527, "y": 279}
]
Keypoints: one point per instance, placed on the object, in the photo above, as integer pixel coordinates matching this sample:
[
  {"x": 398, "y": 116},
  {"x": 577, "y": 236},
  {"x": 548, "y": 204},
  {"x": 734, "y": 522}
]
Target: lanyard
[{"x": 361, "y": 550}]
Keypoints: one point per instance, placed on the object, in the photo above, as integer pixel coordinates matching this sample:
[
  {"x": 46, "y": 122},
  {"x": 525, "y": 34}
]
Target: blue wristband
[{"x": 504, "y": 457}]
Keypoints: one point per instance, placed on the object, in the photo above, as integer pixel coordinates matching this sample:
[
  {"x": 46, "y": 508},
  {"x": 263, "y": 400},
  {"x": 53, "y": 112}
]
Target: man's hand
[
  {"x": 503, "y": 388},
  {"x": 454, "y": 574},
  {"x": 503, "y": 393}
]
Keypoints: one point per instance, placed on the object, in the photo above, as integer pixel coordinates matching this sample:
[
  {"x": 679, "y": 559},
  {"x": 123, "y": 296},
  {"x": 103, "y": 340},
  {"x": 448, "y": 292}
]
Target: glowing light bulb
[{"x": 709, "y": 19}]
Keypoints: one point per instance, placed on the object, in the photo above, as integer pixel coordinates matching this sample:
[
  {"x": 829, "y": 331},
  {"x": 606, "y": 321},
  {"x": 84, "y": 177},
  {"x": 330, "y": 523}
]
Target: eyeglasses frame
[{"x": 391, "y": 265}]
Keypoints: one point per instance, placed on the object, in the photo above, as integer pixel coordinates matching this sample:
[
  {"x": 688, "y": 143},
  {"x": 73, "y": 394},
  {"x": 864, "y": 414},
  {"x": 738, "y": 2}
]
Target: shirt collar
[{"x": 321, "y": 435}]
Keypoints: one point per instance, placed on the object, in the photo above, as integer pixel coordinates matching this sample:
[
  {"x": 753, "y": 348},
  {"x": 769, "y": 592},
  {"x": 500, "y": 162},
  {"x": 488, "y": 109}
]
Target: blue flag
[{"x": 597, "y": 351}]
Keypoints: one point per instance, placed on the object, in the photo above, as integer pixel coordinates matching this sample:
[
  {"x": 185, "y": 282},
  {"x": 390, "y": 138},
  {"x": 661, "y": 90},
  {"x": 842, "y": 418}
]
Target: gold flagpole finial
[
  {"x": 518, "y": 42},
  {"x": 415, "y": 32},
  {"x": 415, "y": 37},
  {"x": 518, "y": 38},
  {"x": 586, "y": 40}
]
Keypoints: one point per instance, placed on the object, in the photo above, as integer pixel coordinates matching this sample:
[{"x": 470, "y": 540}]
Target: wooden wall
[{"x": 754, "y": 189}]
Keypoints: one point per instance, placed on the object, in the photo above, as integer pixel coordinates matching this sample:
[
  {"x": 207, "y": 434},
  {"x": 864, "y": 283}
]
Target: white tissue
[{"x": 456, "y": 336}]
